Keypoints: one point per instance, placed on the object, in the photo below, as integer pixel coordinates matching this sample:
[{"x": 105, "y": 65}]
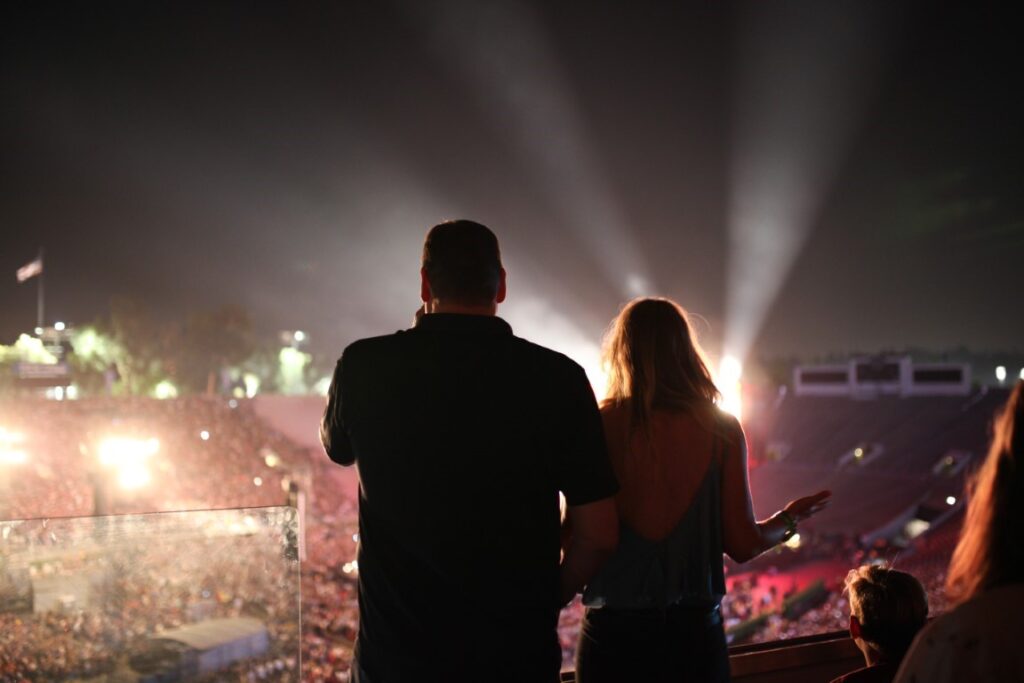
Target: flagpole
[{"x": 41, "y": 293}]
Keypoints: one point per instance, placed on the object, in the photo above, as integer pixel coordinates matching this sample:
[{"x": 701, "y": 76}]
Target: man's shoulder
[
  {"x": 369, "y": 346},
  {"x": 545, "y": 357}
]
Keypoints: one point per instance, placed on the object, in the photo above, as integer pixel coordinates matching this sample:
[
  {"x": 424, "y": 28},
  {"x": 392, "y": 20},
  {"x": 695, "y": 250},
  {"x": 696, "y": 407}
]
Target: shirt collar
[{"x": 458, "y": 322}]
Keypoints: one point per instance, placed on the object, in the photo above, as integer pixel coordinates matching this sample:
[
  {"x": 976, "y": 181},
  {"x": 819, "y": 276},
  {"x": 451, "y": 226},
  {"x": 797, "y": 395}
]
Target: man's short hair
[
  {"x": 462, "y": 262},
  {"x": 890, "y": 605}
]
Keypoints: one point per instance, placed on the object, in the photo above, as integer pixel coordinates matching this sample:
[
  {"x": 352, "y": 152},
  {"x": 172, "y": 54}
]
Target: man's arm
[
  {"x": 333, "y": 433},
  {"x": 586, "y": 479},
  {"x": 593, "y": 530}
]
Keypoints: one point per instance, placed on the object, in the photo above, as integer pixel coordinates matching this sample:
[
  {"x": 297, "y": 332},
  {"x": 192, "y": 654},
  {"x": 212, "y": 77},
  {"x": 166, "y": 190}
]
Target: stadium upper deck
[{"x": 883, "y": 458}]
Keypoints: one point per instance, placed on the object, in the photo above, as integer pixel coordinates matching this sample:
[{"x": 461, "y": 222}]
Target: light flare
[{"x": 730, "y": 371}]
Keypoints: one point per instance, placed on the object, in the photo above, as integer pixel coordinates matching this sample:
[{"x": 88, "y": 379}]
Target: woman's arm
[{"x": 744, "y": 538}]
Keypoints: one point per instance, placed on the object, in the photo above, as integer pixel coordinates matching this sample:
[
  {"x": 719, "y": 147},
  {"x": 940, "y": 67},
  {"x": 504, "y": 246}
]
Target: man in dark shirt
[{"x": 464, "y": 435}]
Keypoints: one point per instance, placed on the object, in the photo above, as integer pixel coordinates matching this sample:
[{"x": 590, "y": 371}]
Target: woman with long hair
[
  {"x": 979, "y": 640},
  {"x": 653, "y": 610}
]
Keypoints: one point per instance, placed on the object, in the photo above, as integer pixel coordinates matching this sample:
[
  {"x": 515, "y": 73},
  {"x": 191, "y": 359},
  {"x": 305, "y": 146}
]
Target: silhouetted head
[
  {"x": 990, "y": 552},
  {"x": 654, "y": 360},
  {"x": 462, "y": 267},
  {"x": 887, "y": 609}
]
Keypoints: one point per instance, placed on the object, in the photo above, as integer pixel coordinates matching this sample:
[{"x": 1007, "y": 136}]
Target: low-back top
[{"x": 670, "y": 540}]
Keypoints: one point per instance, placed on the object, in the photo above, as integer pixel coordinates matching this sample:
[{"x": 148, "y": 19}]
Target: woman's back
[
  {"x": 684, "y": 499},
  {"x": 669, "y": 504}
]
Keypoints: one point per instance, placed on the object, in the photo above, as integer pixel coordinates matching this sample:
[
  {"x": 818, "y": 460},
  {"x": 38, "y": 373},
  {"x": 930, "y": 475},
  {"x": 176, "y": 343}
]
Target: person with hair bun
[
  {"x": 980, "y": 639},
  {"x": 887, "y": 609},
  {"x": 653, "y": 610}
]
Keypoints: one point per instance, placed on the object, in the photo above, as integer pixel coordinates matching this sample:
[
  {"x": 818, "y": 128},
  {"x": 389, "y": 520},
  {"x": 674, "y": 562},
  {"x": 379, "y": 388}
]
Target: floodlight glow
[
  {"x": 204, "y": 435},
  {"x": 59, "y": 326},
  {"x": 252, "y": 384},
  {"x": 9, "y": 437},
  {"x": 299, "y": 336},
  {"x": 133, "y": 476},
  {"x": 123, "y": 452},
  {"x": 272, "y": 460},
  {"x": 257, "y": 481},
  {"x": 858, "y": 452},
  {"x": 11, "y": 456},
  {"x": 165, "y": 389},
  {"x": 1001, "y": 373},
  {"x": 950, "y": 500},
  {"x": 730, "y": 370}
]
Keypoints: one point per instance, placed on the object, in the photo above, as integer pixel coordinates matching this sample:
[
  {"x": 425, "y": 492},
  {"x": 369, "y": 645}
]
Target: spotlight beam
[
  {"x": 501, "y": 49},
  {"x": 803, "y": 74}
]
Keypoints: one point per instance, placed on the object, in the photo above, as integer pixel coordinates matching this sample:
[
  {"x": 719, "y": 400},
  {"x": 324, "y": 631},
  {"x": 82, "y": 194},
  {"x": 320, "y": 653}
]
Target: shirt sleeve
[
  {"x": 333, "y": 430},
  {"x": 584, "y": 472}
]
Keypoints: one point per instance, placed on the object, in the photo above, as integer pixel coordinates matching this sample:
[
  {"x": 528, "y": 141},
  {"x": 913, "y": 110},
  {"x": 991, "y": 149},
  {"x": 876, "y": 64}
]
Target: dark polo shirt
[{"x": 463, "y": 435}]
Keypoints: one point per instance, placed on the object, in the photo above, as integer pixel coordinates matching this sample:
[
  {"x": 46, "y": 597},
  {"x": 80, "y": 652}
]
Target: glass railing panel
[{"x": 208, "y": 595}]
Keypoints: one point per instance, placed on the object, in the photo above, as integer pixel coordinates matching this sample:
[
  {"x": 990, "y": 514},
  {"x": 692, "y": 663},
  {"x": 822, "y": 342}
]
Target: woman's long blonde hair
[
  {"x": 990, "y": 551},
  {"x": 654, "y": 361}
]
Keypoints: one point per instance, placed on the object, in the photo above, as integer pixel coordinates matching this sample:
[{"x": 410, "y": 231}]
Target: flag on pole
[{"x": 30, "y": 270}]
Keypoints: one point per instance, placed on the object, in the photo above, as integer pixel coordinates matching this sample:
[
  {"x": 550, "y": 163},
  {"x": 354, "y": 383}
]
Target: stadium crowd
[{"x": 218, "y": 454}]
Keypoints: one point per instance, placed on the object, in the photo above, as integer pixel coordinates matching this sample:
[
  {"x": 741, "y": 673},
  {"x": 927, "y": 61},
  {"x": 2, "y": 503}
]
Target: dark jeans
[{"x": 652, "y": 646}]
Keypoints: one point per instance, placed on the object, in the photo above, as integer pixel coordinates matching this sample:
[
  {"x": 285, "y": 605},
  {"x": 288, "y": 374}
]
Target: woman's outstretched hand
[{"x": 803, "y": 508}]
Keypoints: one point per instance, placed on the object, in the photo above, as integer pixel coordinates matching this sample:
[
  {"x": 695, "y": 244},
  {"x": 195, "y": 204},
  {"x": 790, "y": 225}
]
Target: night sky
[{"x": 292, "y": 160}]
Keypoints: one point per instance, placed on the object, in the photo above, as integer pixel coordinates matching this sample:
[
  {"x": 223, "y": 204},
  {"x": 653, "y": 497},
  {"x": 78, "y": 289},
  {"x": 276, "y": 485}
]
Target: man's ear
[
  {"x": 501, "y": 286},
  {"x": 854, "y": 627},
  {"x": 424, "y": 286}
]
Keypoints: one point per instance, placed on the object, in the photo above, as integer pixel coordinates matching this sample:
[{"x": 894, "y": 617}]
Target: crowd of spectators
[
  {"x": 218, "y": 454},
  {"x": 124, "y": 587}
]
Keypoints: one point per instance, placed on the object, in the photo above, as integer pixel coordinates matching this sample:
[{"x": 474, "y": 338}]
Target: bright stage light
[
  {"x": 1001, "y": 373},
  {"x": 730, "y": 370},
  {"x": 204, "y": 435},
  {"x": 128, "y": 457},
  {"x": 950, "y": 500},
  {"x": 124, "y": 452},
  {"x": 165, "y": 389},
  {"x": 11, "y": 456},
  {"x": 8, "y": 437},
  {"x": 59, "y": 326},
  {"x": 252, "y": 384},
  {"x": 257, "y": 481},
  {"x": 9, "y": 453},
  {"x": 133, "y": 476},
  {"x": 793, "y": 541},
  {"x": 299, "y": 336}
]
